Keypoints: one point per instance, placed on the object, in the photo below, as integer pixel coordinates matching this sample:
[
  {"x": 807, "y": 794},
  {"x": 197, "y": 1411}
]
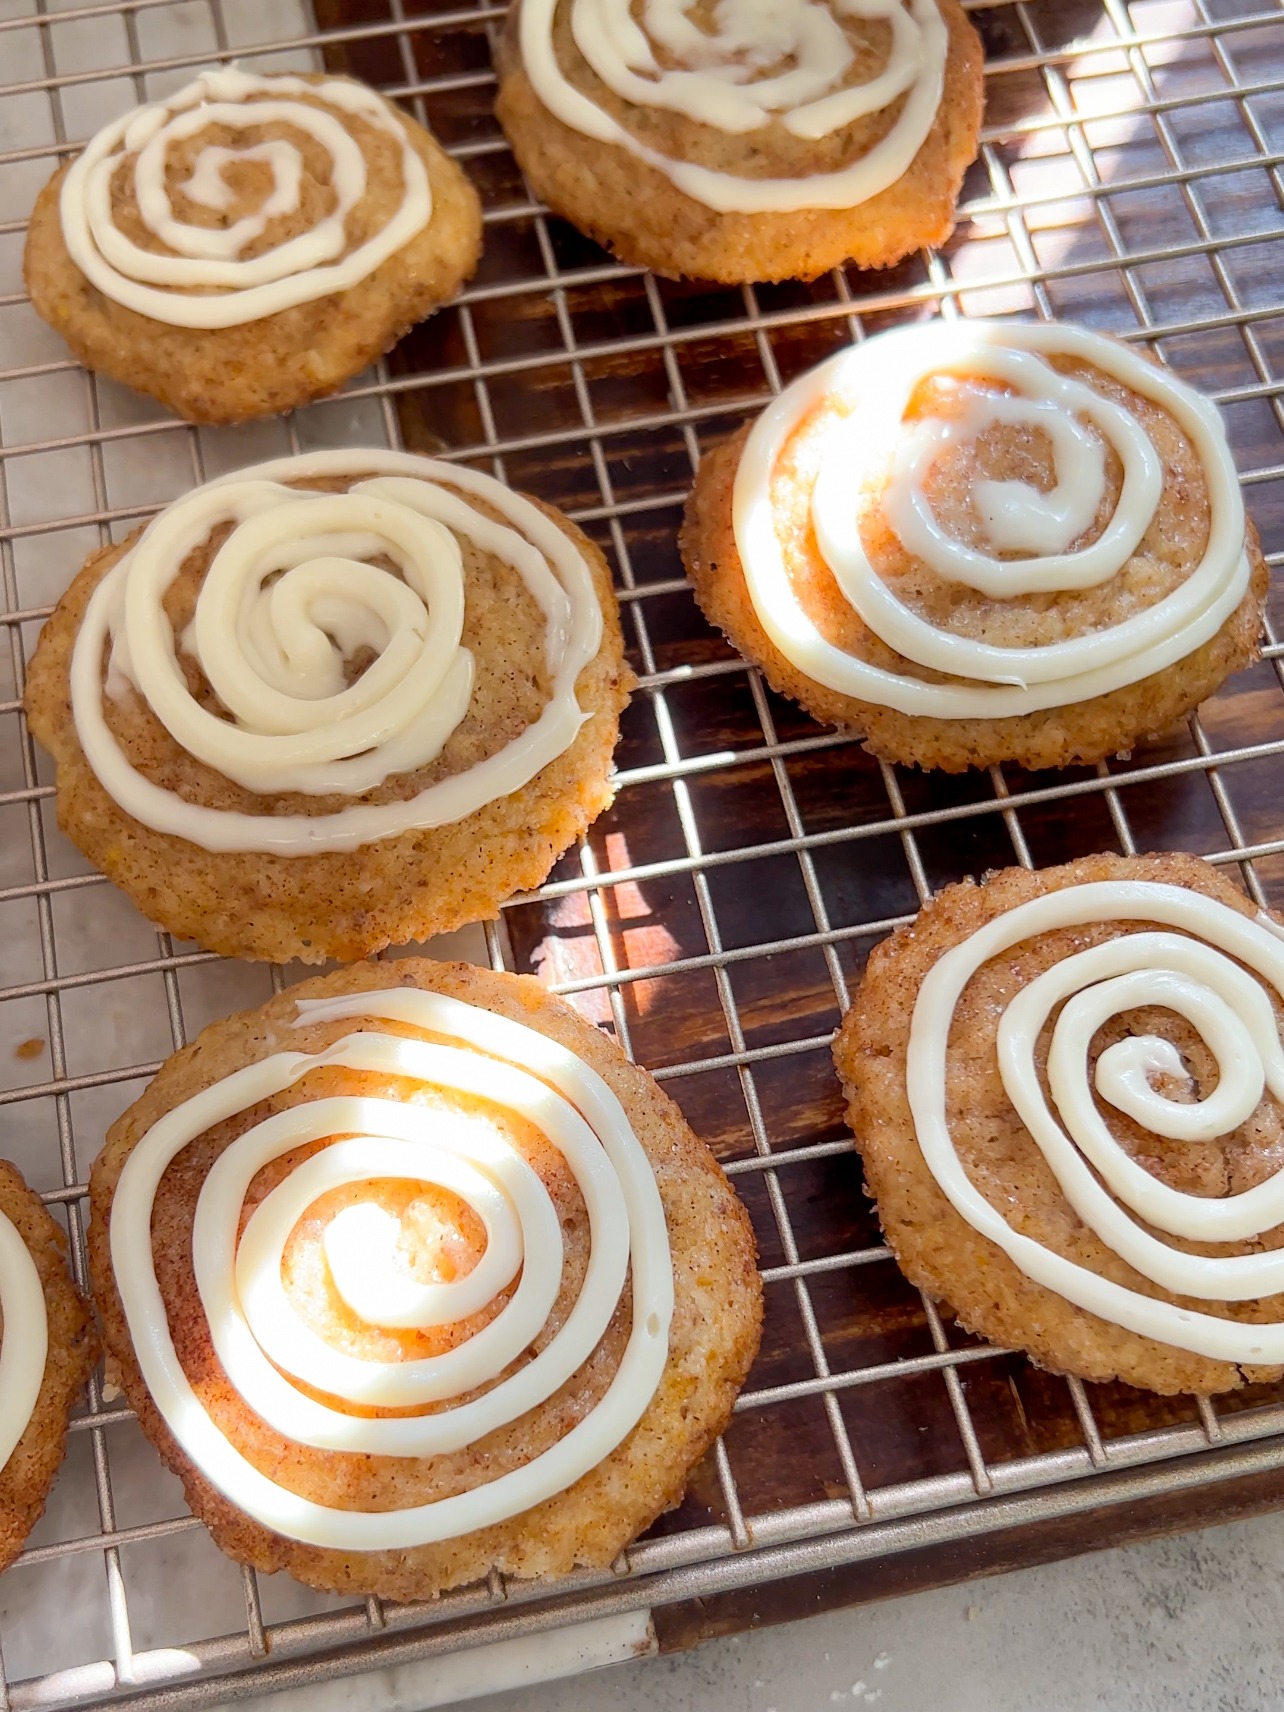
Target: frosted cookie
[
  {"x": 333, "y": 702},
  {"x": 250, "y": 243},
  {"x": 497, "y": 1323},
  {"x": 47, "y": 1350},
  {"x": 1068, "y": 1091},
  {"x": 743, "y": 141},
  {"x": 983, "y": 541}
]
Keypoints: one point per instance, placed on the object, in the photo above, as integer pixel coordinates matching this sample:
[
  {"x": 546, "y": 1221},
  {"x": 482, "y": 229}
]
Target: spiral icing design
[
  {"x": 24, "y": 1343},
  {"x": 220, "y": 274},
  {"x": 1035, "y": 542},
  {"x": 1219, "y": 970},
  {"x": 299, "y": 590},
  {"x": 759, "y": 62},
  {"x": 267, "y": 1350}
]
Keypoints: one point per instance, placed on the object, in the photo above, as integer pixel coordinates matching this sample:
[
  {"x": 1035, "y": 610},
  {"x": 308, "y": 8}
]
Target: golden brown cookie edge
[
  {"x": 652, "y": 224},
  {"x": 552, "y": 1538},
  {"x": 276, "y": 908},
  {"x": 27, "y": 1477},
  {"x": 1079, "y": 733},
  {"x": 263, "y": 368},
  {"x": 993, "y": 1297}
]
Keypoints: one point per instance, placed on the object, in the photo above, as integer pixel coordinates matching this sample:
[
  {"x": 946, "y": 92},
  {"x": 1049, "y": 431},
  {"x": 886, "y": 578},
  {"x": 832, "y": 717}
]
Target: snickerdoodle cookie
[
  {"x": 333, "y": 702},
  {"x": 411, "y": 1272},
  {"x": 741, "y": 142},
  {"x": 47, "y": 1349},
  {"x": 1068, "y": 1090},
  {"x": 250, "y": 242},
  {"x": 983, "y": 541}
]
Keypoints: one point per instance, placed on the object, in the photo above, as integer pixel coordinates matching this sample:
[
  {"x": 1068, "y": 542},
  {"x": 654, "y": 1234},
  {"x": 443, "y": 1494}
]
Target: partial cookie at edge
[
  {"x": 29, "y": 1473},
  {"x": 634, "y": 210}
]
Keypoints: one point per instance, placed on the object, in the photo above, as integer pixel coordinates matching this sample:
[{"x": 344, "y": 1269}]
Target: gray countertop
[{"x": 1190, "y": 1624}]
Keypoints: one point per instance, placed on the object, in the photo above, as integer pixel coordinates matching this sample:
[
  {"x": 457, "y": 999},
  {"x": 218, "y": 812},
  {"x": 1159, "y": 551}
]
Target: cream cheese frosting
[
  {"x": 202, "y": 277},
  {"x": 24, "y": 1344},
  {"x": 1007, "y": 372},
  {"x": 291, "y": 596},
  {"x": 1218, "y": 969},
  {"x": 268, "y": 1352},
  {"x": 762, "y": 61}
]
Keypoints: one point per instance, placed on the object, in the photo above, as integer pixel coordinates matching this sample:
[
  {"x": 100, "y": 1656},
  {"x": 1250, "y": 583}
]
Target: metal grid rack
[{"x": 1130, "y": 177}]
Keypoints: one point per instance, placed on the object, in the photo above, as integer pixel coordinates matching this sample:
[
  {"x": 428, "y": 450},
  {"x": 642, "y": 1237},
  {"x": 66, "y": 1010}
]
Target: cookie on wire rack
[
  {"x": 983, "y": 541},
  {"x": 1067, "y": 1088},
  {"x": 336, "y": 702},
  {"x": 492, "y": 1303},
  {"x": 48, "y": 1348},
  {"x": 750, "y": 142},
  {"x": 250, "y": 242}
]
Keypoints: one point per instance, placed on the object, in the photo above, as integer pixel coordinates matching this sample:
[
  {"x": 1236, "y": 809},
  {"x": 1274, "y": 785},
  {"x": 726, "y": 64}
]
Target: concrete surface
[{"x": 1193, "y": 1624}]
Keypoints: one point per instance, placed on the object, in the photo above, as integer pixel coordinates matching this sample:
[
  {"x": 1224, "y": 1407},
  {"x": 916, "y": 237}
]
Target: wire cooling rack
[{"x": 1130, "y": 177}]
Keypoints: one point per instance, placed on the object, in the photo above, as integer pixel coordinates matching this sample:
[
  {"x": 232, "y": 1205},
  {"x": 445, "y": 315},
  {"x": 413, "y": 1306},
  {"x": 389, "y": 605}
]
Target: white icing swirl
[
  {"x": 881, "y": 376},
  {"x": 762, "y": 61},
  {"x": 211, "y": 281},
  {"x": 24, "y": 1344},
  {"x": 290, "y": 599},
  {"x": 1200, "y": 972},
  {"x": 261, "y": 1340}
]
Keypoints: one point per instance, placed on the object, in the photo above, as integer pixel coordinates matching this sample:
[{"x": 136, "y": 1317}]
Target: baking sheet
[{"x": 1130, "y": 177}]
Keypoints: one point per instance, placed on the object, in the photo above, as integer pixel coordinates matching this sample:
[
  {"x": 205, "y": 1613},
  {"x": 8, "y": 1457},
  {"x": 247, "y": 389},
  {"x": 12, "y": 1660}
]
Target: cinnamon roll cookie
[
  {"x": 742, "y": 141},
  {"x": 47, "y": 1350},
  {"x": 411, "y": 1273},
  {"x": 1068, "y": 1091},
  {"x": 983, "y": 541},
  {"x": 333, "y": 702},
  {"x": 250, "y": 242}
]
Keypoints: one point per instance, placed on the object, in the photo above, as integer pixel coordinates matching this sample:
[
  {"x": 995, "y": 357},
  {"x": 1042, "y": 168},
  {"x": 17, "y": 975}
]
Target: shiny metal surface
[{"x": 1130, "y": 175}]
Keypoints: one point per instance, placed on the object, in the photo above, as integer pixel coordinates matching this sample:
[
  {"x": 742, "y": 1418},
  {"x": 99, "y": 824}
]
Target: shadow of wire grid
[{"x": 1130, "y": 178}]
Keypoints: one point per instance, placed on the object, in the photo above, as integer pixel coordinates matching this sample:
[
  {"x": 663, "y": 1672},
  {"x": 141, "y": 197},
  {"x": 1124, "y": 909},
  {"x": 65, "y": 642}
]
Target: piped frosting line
[
  {"x": 264, "y": 1346},
  {"x": 289, "y": 599},
  {"x": 1012, "y": 362},
  {"x": 1200, "y": 970},
  {"x": 24, "y": 1345},
  {"x": 202, "y": 279},
  {"x": 657, "y": 56}
]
